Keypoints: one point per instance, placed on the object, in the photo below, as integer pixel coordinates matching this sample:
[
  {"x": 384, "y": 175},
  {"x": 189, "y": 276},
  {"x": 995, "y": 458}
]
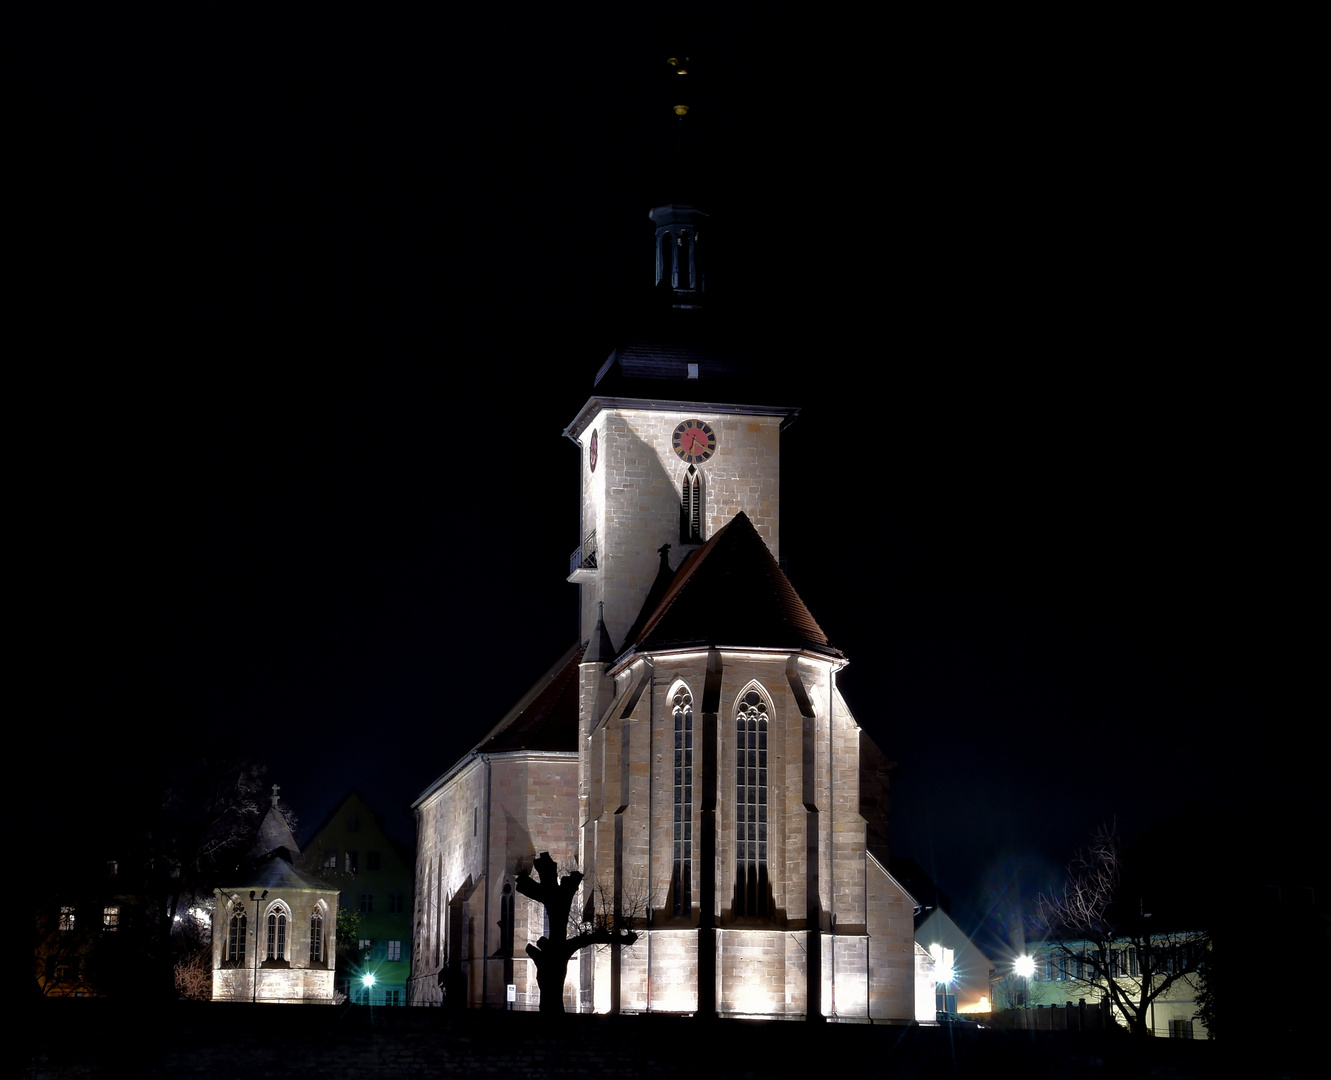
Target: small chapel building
[
  {"x": 275, "y": 927},
  {"x": 692, "y": 755}
]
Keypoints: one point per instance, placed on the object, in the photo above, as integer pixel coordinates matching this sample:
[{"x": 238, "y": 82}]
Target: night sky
[{"x": 306, "y": 298}]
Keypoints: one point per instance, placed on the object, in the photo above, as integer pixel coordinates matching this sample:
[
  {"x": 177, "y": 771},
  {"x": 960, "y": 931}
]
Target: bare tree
[
  {"x": 601, "y": 922},
  {"x": 1105, "y": 939},
  {"x": 194, "y": 975}
]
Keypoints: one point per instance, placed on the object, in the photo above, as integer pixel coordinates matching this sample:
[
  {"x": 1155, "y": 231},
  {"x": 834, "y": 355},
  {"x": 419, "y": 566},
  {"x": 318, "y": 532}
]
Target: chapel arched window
[
  {"x": 277, "y": 935},
  {"x": 751, "y": 806},
  {"x": 317, "y": 937},
  {"x": 235, "y": 936}
]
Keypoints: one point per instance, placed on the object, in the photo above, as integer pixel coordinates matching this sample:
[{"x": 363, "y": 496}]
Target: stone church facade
[{"x": 693, "y": 756}]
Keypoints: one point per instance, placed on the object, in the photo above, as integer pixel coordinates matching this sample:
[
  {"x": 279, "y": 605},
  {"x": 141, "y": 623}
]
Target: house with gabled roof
[{"x": 353, "y": 851}]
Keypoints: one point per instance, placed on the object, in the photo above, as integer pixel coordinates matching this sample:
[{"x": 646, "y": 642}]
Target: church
[
  {"x": 275, "y": 928},
  {"x": 691, "y": 755}
]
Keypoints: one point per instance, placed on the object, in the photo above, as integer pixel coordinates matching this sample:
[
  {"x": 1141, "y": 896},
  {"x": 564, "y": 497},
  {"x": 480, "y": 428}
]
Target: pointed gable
[
  {"x": 731, "y": 592},
  {"x": 274, "y": 833}
]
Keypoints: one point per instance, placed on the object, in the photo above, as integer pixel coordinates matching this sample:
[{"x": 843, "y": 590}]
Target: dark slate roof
[
  {"x": 665, "y": 361},
  {"x": 731, "y": 593},
  {"x": 547, "y": 718},
  {"x": 276, "y": 871}
]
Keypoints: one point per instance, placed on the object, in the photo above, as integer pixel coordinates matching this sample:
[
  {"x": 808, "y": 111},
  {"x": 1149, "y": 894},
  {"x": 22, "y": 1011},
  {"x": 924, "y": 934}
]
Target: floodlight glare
[{"x": 1024, "y": 966}]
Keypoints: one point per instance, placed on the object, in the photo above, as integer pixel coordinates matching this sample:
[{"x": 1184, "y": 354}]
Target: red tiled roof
[
  {"x": 547, "y": 720},
  {"x": 731, "y": 593}
]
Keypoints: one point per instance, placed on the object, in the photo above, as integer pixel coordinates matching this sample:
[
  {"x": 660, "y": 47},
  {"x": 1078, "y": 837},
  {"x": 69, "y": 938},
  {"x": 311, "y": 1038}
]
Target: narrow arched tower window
[
  {"x": 691, "y": 507},
  {"x": 751, "y": 806},
  {"x": 681, "y": 875}
]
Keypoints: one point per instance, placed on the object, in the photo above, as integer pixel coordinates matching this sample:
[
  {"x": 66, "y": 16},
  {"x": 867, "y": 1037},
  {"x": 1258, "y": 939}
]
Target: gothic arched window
[
  {"x": 681, "y": 875},
  {"x": 751, "y": 805},
  {"x": 235, "y": 938},
  {"x": 277, "y": 934},
  {"x": 317, "y": 937},
  {"x": 691, "y": 507}
]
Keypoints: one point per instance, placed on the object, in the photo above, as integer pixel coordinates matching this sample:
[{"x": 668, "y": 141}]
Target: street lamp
[
  {"x": 1025, "y": 967},
  {"x": 944, "y": 974}
]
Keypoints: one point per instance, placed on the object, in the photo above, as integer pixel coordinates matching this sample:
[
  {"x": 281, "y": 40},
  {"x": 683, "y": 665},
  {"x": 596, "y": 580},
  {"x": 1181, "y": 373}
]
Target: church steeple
[{"x": 679, "y": 260}]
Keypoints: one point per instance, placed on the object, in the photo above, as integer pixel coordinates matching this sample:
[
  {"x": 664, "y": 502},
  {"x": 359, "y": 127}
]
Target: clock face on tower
[
  {"x": 593, "y": 453},
  {"x": 694, "y": 441}
]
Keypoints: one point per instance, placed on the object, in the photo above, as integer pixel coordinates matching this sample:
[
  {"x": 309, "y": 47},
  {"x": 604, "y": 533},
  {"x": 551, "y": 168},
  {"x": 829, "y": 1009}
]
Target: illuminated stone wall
[
  {"x": 296, "y": 980},
  {"x": 815, "y": 760},
  {"x": 474, "y": 834},
  {"x": 632, "y": 500}
]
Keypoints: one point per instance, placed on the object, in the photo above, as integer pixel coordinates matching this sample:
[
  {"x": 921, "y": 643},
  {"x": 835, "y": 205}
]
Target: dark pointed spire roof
[
  {"x": 600, "y": 649},
  {"x": 274, "y": 832},
  {"x": 730, "y": 593}
]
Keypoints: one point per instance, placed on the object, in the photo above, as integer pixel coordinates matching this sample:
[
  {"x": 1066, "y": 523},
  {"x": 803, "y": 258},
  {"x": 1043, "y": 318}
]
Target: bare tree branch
[{"x": 1101, "y": 938}]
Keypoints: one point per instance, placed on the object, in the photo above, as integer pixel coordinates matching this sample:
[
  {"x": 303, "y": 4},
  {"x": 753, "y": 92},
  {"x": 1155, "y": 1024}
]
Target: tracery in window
[
  {"x": 235, "y": 939},
  {"x": 277, "y": 934},
  {"x": 681, "y": 876},
  {"x": 317, "y": 937},
  {"x": 691, "y": 507},
  {"x": 751, "y": 889}
]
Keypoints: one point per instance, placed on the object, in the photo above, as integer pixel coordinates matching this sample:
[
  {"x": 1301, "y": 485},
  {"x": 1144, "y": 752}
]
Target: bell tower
[{"x": 672, "y": 445}]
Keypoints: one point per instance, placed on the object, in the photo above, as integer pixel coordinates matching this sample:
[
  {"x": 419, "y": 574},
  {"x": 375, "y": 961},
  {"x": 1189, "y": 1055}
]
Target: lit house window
[
  {"x": 111, "y": 918},
  {"x": 394, "y": 950},
  {"x": 751, "y": 806},
  {"x": 66, "y": 918},
  {"x": 681, "y": 877}
]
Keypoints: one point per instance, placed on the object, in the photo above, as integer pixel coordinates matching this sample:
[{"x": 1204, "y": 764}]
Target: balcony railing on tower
[{"x": 583, "y": 558}]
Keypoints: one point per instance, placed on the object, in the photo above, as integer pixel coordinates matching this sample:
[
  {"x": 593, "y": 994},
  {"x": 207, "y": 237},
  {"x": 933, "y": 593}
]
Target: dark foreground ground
[{"x": 88, "y": 1040}]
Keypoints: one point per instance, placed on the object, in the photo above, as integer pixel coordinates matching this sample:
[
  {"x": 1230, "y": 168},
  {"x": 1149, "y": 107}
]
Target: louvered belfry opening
[{"x": 690, "y": 507}]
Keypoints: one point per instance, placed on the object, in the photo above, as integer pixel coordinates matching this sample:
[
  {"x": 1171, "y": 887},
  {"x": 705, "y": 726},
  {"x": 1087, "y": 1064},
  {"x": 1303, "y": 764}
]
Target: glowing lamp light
[
  {"x": 367, "y": 980},
  {"x": 1024, "y": 966}
]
